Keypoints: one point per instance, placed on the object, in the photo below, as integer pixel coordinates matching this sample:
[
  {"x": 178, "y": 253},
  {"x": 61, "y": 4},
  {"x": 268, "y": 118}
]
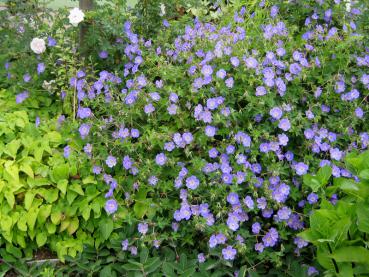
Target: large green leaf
[
  {"x": 62, "y": 186},
  {"x": 12, "y": 147},
  {"x": 324, "y": 173},
  {"x": 364, "y": 174},
  {"x": 41, "y": 238},
  {"x": 28, "y": 199},
  {"x": 355, "y": 254},
  {"x": 60, "y": 172},
  {"x": 31, "y": 217},
  {"x": 152, "y": 264},
  {"x": 106, "y": 227},
  {"x": 362, "y": 212},
  {"x": 140, "y": 209},
  {"x": 312, "y": 182}
]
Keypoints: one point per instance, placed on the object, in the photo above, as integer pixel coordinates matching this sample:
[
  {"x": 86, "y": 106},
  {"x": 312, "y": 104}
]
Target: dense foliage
[
  {"x": 45, "y": 198},
  {"x": 339, "y": 229},
  {"x": 197, "y": 141}
]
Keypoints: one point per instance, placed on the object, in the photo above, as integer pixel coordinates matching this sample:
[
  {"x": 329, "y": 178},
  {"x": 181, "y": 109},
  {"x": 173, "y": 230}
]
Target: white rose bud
[
  {"x": 75, "y": 16},
  {"x": 38, "y": 45}
]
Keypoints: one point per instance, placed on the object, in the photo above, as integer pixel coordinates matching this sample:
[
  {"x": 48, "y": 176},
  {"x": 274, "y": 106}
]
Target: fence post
[{"x": 84, "y": 5}]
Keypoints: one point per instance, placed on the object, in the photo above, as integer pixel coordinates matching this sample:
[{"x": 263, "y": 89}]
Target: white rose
[
  {"x": 75, "y": 16},
  {"x": 38, "y": 45}
]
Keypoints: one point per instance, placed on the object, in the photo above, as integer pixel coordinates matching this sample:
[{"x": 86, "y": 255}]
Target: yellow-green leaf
[
  {"x": 41, "y": 238},
  {"x": 27, "y": 169},
  {"x": 73, "y": 226},
  {"x": 62, "y": 186},
  {"x": 28, "y": 199}
]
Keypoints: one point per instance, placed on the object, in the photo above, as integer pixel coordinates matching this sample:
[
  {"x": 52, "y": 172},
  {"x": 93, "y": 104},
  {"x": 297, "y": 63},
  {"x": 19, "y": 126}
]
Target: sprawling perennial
[
  {"x": 217, "y": 112},
  {"x": 225, "y": 126}
]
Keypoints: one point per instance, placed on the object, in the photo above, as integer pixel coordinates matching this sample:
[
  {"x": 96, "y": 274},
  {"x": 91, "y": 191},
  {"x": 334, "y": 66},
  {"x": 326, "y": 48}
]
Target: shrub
[
  {"x": 46, "y": 198},
  {"x": 338, "y": 228}
]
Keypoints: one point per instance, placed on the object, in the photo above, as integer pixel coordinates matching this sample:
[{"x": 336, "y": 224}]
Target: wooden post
[{"x": 84, "y": 5}]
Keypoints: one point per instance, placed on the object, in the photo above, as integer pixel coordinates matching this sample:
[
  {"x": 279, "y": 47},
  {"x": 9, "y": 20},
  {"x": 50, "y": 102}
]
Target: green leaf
[
  {"x": 168, "y": 269},
  {"x": 9, "y": 198},
  {"x": 242, "y": 272},
  {"x": 62, "y": 186},
  {"x": 86, "y": 213},
  {"x": 141, "y": 194},
  {"x": 364, "y": 174},
  {"x": 11, "y": 148},
  {"x": 76, "y": 188},
  {"x": 31, "y": 217},
  {"x": 106, "y": 226},
  {"x": 144, "y": 254},
  {"x": 22, "y": 223},
  {"x": 27, "y": 169},
  {"x": 60, "y": 172},
  {"x": 13, "y": 250},
  {"x": 73, "y": 226},
  {"x": 56, "y": 217},
  {"x": 28, "y": 199},
  {"x": 6, "y": 223},
  {"x": 312, "y": 182},
  {"x": 324, "y": 173},
  {"x": 132, "y": 267},
  {"x": 50, "y": 195},
  {"x": 152, "y": 264},
  {"x": 345, "y": 184},
  {"x": 41, "y": 238},
  {"x": 54, "y": 137},
  {"x": 140, "y": 209},
  {"x": 107, "y": 271},
  {"x": 354, "y": 254},
  {"x": 44, "y": 213},
  {"x": 12, "y": 173},
  {"x": 362, "y": 211},
  {"x": 89, "y": 180}
]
